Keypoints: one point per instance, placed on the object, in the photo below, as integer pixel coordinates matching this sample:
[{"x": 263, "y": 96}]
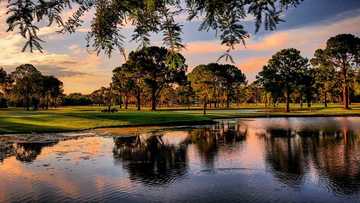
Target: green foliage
[
  {"x": 148, "y": 68},
  {"x": 326, "y": 76},
  {"x": 343, "y": 53},
  {"x": 26, "y": 86},
  {"x": 76, "y": 99},
  {"x": 216, "y": 80},
  {"x": 226, "y": 17},
  {"x": 283, "y": 73}
]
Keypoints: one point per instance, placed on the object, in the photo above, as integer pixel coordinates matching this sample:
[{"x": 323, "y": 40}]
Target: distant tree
[
  {"x": 97, "y": 97},
  {"x": 3, "y": 83},
  {"x": 306, "y": 85},
  {"x": 152, "y": 68},
  {"x": 186, "y": 94},
  {"x": 232, "y": 77},
  {"x": 203, "y": 81},
  {"x": 51, "y": 89},
  {"x": 343, "y": 53},
  {"x": 27, "y": 85},
  {"x": 77, "y": 99},
  {"x": 3, "y": 76},
  {"x": 325, "y": 75},
  {"x": 126, "y": 80},
  {"x": 283, "y": 72}
]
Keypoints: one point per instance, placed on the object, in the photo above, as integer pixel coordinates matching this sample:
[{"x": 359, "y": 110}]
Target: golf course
[{"x": 65, "y": 119}]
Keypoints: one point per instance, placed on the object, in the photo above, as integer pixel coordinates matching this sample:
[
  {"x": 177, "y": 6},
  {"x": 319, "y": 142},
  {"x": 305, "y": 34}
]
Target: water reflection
[
  {"x": 335, "y": 156},
  {"x": 149, "y": 160},
  {"x": 24, "y": 152},
  {"x": 293, "y": 160},
  {"x": 285, "y": 157},
  {"x": 210, "y": 140}
]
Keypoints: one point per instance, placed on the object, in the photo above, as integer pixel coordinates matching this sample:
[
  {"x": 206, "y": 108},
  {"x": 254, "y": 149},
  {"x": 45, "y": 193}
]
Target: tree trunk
[
  {"x": 345, "y": 88},
  {"x": 287, "y": 95},
  {"x": 138, "y": 101},
  {"x": 153, "y": 100},
  {"x": 120, "y": 102},
  {"x": 126, "y": 102},
  {"x": 205, "y": 105},
  {"x": 47, "y": 102},
  {"x": 325, "y": 100},
  {"x": 228, "y": 100},
  {"x": 27, "y": 102}
]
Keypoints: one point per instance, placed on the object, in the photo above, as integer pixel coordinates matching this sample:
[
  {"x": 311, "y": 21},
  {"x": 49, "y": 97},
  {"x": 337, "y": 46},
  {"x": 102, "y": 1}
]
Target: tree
[
  {"x": 77, "y": 99},
  {"x": 156, "y": 73},
  {"x": 51, "y": 89},
  {"x": 232, "y": 78},
  {"x": 343, "y": 53},
  {"x": 185, "y": 93},
  {"x": 306, "y": 85},
  {"x": 203, "y": 81},
  {"x": 325, "y": 75},
  {"x": 3, "y": 85},
  {"x": 283, "y": 72},
  {"x": 27, "y": 84},
  {"x": 125, "y": 81},
  {"x": 3, "y": 76},
  {"x": 148, "y": 16}
]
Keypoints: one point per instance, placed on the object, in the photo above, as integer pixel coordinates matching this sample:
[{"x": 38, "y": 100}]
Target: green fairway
[{"x": 15, "y": 120}]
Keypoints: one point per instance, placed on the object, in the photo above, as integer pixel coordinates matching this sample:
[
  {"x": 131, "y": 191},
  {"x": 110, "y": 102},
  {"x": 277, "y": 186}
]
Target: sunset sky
[{"x": 307, "y": 28}]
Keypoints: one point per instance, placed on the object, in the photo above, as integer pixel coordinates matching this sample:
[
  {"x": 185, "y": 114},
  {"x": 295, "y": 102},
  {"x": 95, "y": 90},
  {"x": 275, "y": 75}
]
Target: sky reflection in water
[{"x": 257, "y": 160}]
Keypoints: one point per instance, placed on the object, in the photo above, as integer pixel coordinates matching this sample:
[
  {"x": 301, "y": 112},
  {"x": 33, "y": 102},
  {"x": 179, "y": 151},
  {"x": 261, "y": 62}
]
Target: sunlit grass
[{"x": 17, "y": 120}]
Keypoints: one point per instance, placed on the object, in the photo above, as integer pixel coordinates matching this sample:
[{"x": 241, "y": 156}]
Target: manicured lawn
[{"x": 16, "y": 120}]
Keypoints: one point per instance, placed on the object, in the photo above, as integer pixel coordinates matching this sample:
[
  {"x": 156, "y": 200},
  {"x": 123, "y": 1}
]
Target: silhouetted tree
[
  {"x": 155, "y": 72},
  {"x": 325, "y": 75},
  {"x": 343, "y": 53},
  {"x": 27, "y": 85},
  {"x": 51, "y": 90},
  {"x": 283, "y": 72}
]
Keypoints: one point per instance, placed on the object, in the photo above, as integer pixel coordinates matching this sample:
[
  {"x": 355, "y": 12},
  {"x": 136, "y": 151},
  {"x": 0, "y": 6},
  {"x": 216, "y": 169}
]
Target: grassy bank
[{"x": 15, "y": 120}]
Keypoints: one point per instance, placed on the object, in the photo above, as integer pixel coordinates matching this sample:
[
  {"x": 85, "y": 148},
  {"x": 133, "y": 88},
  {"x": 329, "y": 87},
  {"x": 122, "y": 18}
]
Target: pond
[{"x": 237, "y": 160}]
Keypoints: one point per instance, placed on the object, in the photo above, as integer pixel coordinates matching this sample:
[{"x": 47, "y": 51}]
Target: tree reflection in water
[
  {"x": 24, "y": 151},
  {"x": 334, "y": 155},
  {"x": 209, "y": 140},
  {"x": 150, "y": 160},
  {"x": 28, "y": 152},
  {"x": 337, "y": 158}
]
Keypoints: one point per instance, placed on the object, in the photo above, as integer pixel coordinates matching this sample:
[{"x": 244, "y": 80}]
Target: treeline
[
  {"x": 28, "y": 87},
  {"x": 149, "y": 79},
  {"x": 331, "y": 75}
]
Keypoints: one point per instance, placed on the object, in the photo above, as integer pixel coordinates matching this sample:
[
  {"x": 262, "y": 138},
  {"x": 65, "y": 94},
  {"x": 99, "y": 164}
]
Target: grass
[{"x": 16, "y": 120}]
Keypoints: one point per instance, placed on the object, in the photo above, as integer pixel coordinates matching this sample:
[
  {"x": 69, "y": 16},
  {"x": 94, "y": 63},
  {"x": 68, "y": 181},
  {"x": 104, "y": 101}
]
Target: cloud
[
  {"x": 257, "y": 51},
  {"x": 84, "y": 72}
]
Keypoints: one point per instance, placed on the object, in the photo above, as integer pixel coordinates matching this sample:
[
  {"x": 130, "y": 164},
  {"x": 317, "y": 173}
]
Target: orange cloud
[
  {"x": 252, "y": 65},
  {"x": 204, "y": 47}
]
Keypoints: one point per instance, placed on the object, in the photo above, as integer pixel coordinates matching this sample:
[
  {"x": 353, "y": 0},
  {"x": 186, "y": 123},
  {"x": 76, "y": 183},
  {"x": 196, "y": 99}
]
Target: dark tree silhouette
[
  {"x": 283, "y": 71},
  {"x": 343, "y": 53},
  {"x": 226, "y": 17}
]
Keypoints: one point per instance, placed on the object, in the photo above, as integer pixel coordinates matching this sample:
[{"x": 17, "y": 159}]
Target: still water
[{"x": 244, "y": 160}]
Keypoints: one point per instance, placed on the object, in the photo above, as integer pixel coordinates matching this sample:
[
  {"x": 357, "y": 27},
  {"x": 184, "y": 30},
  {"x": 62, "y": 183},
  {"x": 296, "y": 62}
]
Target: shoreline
[{"x": 211, "y": 119}]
